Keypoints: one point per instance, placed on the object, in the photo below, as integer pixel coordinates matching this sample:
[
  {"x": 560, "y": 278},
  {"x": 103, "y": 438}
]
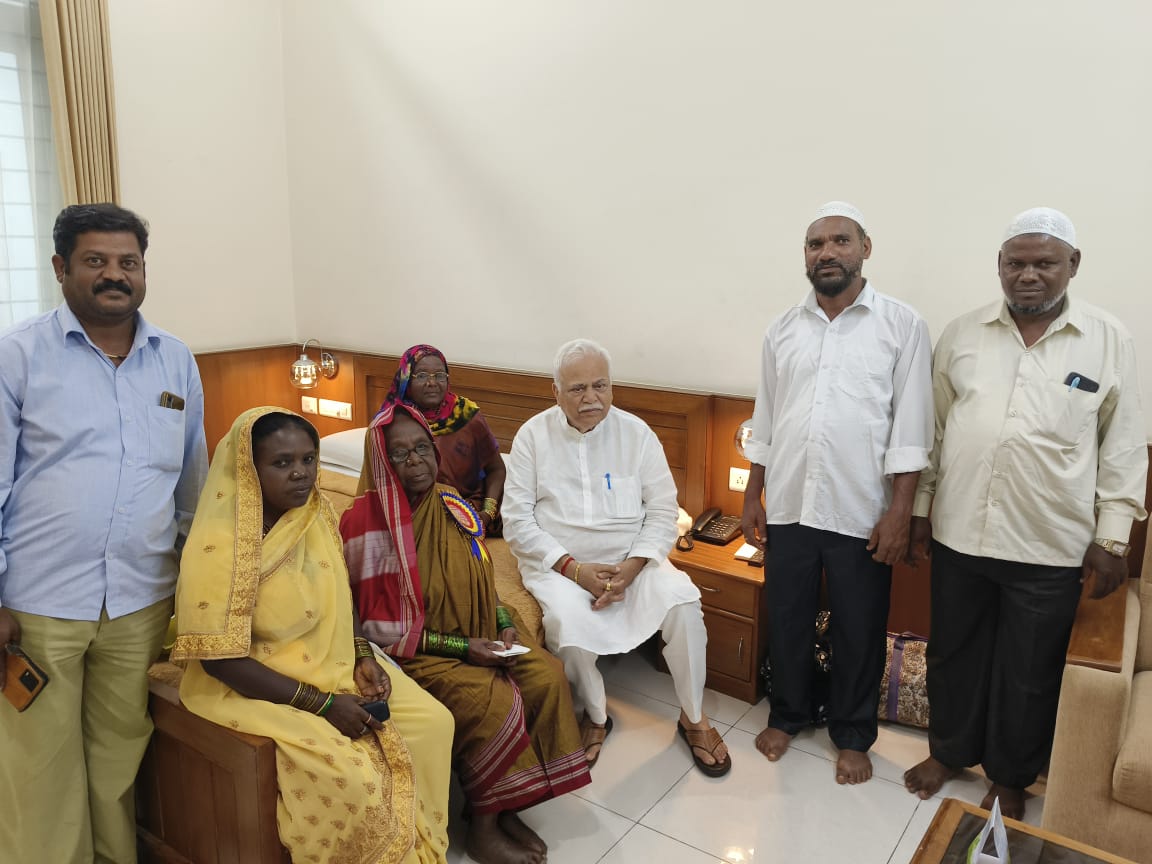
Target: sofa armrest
[
  {"x": 1090, "y": 725},
  {"x": 1098, "y": 632},
  {"x": 206, "y": 792}
]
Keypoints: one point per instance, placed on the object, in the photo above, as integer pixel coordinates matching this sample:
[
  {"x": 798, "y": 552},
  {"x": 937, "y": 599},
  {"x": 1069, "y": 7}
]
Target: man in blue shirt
[{"x": 102, "y": 458}]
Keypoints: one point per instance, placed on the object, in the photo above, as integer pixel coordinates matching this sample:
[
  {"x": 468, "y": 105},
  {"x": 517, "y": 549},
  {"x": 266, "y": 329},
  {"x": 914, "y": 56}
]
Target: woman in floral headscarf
[{"x": 470, "y": 458}]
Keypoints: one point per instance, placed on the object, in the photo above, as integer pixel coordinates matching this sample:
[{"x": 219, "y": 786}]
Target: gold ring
[{"x": 609, "y": 588}]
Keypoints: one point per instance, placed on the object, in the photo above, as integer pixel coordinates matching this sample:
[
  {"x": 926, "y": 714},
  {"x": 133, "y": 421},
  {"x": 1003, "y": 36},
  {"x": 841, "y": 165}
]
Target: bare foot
[
  {"x": 515, "y": 827},
  {"x": 926, "y": 778},
  {"x": 1011, "y": 801},
  {"x": 853, "y": 767},
  {"x": 487, "y": 844},
  {"x": 709, "y": 757},
  {"x": 773, "y": 743}
]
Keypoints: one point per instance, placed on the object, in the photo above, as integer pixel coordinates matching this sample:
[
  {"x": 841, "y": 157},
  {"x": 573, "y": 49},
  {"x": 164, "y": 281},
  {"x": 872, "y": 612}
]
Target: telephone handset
[{"x": 713, "y": 527}]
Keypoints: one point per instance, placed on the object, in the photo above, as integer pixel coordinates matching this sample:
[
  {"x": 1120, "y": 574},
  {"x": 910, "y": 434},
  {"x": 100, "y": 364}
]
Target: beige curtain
[{"x": 78, "y": 56}]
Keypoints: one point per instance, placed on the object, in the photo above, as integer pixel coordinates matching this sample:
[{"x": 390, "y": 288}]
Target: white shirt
[
  {"x": 842, "y": 405},
  {"x": 1025, "y": 467},
  {"x": 602, "y": 496}
]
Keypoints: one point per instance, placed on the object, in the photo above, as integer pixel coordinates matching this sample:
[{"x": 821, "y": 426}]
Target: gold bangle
[{"x": 576, "y": 575}]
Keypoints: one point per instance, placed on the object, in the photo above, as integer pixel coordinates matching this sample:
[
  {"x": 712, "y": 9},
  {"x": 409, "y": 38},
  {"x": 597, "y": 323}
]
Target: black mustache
[{"x": 108, "y": 285}]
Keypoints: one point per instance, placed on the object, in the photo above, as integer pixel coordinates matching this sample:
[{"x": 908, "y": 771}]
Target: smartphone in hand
[{"x": 378, "y": 710}]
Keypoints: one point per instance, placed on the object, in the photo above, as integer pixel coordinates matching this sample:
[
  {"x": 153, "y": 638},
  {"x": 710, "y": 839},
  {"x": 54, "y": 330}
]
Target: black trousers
[
  {"x": 858, "y": 592},
  {"x": 995, "y": 660}
]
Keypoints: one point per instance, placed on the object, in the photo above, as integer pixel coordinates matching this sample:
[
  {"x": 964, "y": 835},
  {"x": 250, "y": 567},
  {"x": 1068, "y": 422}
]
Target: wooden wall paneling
[
  {"x": 728, "y": 412},
  {"x": 235, "y": 381},
  {"x": 680, "y": 420}
]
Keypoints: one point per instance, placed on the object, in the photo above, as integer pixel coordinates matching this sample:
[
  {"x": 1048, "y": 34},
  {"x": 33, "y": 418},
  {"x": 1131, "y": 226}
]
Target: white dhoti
[{"x": 686, "y": 642}]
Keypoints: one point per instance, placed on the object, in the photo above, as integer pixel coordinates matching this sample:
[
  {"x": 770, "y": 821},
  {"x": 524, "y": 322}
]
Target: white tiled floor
[{"x": 647, "y": 802}]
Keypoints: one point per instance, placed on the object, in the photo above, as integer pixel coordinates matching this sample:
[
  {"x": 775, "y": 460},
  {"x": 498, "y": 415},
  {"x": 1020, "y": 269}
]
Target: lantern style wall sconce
[{"x": 306, "y": 372}]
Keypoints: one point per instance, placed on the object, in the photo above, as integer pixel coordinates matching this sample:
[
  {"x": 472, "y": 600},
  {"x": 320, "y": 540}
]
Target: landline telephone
[{"x": 713, "y": 527}]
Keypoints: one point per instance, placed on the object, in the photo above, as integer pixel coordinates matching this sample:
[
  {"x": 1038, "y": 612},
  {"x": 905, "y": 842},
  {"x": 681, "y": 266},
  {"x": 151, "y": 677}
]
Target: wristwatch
[{"x": 1115, "y": 548}]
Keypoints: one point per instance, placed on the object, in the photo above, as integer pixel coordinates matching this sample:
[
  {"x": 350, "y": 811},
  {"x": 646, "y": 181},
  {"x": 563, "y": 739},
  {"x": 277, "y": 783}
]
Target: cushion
[
  {"x": 338, "y": 487},
  {"x": 1132, "y": 776},
  {"x": 344, "y": 449},
  {"x": 511, "y": 591}
]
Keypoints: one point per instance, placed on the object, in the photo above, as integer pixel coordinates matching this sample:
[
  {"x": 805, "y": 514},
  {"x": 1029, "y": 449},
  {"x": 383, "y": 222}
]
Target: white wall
[
  {"x": 498, "y": 177},
  {"x": 200, "y": 122}
]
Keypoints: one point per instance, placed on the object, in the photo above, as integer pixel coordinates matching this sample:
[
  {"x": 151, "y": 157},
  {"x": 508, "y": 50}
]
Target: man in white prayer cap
[
  {"x": 1038, "y": 472},
  {"x": 841, "y": 430}
]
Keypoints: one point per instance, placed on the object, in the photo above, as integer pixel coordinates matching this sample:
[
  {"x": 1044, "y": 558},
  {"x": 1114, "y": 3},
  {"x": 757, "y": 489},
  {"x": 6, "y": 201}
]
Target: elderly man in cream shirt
[
  {"x": 1036, "y": 477},
  {"x": 590, "y": 513}
]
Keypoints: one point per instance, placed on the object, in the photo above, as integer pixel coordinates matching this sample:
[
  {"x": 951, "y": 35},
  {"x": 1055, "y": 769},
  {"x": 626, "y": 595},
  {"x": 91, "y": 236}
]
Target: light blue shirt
[{"x": 97, "y": 479}]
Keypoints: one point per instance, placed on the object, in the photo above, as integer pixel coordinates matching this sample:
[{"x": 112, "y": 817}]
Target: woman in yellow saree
[
  {"x": 266, "y": 623},
  {"x": 424, "y": 585}
]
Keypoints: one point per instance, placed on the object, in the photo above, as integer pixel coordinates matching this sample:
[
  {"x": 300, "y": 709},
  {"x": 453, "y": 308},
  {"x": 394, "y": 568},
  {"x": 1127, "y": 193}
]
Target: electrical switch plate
[
  {"x": 339, "y": 410},
  {"x": 307, "y": 404}
]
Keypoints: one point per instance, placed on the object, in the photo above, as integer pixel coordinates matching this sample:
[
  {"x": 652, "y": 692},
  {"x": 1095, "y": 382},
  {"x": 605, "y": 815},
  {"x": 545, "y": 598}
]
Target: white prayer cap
[
  {"x": 839, "y": 208},
  {"x": 1042, "y": 220}
]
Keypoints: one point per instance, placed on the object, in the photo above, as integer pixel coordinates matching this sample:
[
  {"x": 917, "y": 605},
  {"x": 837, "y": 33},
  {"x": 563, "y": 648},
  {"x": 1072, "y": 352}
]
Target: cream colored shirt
[
  {"x": 1024, "y": 466},
  {"x": 842, "y": 405}
]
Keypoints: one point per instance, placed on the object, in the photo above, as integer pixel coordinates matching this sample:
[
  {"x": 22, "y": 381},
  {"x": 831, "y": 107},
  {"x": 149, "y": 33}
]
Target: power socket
[{"x": 737, "y": 479}]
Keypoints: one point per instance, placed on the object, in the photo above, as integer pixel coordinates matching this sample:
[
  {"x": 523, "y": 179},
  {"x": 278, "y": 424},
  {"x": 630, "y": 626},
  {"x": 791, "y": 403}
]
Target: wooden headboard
[{"x": 680, "y": 420}]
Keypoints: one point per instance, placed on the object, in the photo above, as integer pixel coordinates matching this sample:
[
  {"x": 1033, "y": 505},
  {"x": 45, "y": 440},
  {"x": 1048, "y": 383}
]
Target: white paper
[
  {"x": 995, "y": 827},
  {"x": 745, "y": 552},
  {"x": 516, "y": 650}
]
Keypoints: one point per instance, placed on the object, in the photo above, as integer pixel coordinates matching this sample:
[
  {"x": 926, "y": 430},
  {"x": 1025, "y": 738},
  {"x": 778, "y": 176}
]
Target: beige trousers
[
  {"x": 685, "y": 649},
  {"x": 68, "y": 763}
]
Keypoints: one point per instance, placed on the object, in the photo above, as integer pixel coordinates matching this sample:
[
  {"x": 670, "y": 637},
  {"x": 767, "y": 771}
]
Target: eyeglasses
[
  {"x": 423, "y": 450},
  {"x": 425, "y": 377}
]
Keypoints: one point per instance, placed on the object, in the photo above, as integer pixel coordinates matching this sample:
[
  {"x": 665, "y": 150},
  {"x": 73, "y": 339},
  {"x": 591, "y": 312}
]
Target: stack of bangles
[
  {"x": 568, "y": 559},
  {"x": 444, "y": 644},
  {"x": 363, "y": 647},
  {"x": 312, "y": 700},
  {"x": 491, "y": 508}
]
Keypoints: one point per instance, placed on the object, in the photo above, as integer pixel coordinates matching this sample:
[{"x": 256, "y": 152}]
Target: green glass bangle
[
  {"x": 503, "y": 619},
  {"x": 327, "y": 704}
]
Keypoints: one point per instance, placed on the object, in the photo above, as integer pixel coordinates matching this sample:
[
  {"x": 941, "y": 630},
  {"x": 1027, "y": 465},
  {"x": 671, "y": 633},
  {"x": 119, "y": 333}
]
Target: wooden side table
[{"x": 732, "y": 596}]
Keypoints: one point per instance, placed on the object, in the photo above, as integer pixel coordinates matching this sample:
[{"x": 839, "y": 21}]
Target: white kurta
[{"x": 602, "y": 497}]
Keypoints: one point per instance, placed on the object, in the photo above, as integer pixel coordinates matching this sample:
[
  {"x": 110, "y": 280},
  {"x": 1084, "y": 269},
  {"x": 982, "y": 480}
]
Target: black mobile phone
[{"x": 379, "y": 710}]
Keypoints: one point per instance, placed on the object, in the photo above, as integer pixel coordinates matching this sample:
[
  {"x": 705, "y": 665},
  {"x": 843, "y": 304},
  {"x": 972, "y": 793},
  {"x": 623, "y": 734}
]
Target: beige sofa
[{"x": 1100, "y": 778}]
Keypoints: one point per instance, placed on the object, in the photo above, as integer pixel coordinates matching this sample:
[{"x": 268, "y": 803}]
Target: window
[{"x": 29, "y": 186}]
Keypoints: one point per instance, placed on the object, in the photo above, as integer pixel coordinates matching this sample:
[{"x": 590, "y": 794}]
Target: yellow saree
[{"x": 284, "y": 600}]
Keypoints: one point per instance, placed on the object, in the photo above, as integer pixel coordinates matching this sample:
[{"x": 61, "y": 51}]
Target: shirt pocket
[
  {"x": 165, "y": 438},
  {"x": 864, "y": 375},
  {"x": 621, "y": 497},
  {"x": 1066, "y": 413}
]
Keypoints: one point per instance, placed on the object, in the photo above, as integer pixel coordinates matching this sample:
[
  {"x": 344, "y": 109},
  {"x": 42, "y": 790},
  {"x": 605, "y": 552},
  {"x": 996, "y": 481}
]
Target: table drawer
[
  {"x": 721, "y": 592},
  {"x": 729, "y": 645}
]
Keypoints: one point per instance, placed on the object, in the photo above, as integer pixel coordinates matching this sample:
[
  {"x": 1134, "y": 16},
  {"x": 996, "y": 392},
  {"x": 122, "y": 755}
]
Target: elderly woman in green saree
[{"x": 426, "y": 592}]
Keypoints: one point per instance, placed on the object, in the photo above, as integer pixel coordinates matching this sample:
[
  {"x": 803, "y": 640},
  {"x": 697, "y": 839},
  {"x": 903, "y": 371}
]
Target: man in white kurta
[{"x": 590, "y": 513}]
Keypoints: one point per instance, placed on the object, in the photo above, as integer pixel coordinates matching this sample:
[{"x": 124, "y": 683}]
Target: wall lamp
[
  {"x": 743, "y": 433},
  {"x": 306, "y": 372}
]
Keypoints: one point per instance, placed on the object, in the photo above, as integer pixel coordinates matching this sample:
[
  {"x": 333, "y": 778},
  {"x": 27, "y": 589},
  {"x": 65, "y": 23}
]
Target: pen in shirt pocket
[{"x": 608, "y": 480}]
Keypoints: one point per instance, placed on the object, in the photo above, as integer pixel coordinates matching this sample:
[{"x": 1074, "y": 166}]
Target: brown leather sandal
[
  {"x": 592, "y": 735},
  {"x": 707, "y": 740}
]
